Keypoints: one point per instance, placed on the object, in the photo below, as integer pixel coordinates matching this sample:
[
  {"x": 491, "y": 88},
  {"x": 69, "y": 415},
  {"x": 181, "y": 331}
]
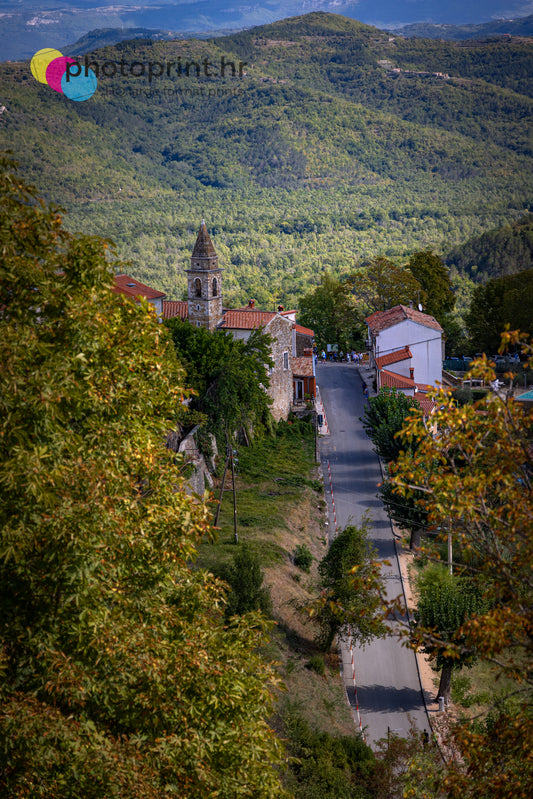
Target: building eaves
[
  {"x": 392, "y": 380},
  {"x": 124, "y": 284},
  {"x": 393, "y": 357},
  {"x": 382, "y": 320}
]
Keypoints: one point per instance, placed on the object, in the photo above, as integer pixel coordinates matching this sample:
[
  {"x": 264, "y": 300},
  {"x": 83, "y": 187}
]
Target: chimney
[
  {"x": 412, "y": 372},
  {"x": 251, "y": 303},
  {"x": 280, "y": 308}
]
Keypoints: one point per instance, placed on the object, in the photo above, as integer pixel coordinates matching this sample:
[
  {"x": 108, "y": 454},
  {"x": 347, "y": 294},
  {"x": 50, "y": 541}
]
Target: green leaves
[
  {"x": 383, "y": 420},
  {"x": 228, "y": 376},
  {"x": 119, "y": 676},
  {"x": 502, "y": 301},
  {"x": 350, "y": 603},
  {"x": 380, "y": 285},
  {"x": 330, "y": 311}
]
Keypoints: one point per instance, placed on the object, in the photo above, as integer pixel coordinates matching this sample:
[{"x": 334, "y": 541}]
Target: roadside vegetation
[{"x": 469, "y": 480}]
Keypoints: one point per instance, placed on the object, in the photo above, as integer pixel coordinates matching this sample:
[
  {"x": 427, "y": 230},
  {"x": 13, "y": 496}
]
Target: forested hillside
[
  {"x": 497, "y": 253},
  {"x": 337, "y": 144}
]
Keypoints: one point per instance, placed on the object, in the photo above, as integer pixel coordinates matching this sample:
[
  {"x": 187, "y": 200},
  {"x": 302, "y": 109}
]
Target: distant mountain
[
  {"x": 29, "y": 25},
  {"x": 334, "y": 142},
  {"x": 497, "y": 27},
  {"x": 104, "y": 37},
  {"x": 504, "y": 251}
]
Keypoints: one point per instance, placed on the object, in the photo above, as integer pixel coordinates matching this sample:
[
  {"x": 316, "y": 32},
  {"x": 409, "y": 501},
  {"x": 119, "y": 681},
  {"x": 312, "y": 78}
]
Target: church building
[
  {"x": 204, "y": 308},
  {"x": 292, "y": 378}
]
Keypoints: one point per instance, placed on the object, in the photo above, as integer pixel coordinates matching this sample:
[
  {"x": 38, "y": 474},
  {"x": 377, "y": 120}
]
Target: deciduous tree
[
  {"x": 437, "y": 295},
  {"x": 380, "y": 284},
  {"x": 351, "y": 589},
  {"x": 446, "y": 602},
  {"x": 407, "y": 512},
  {"x": 499, "y": 302},
  {"x": 476, "y": 477},
  {"x": 383, "y": 420},
  {"x": 330, "y": 311},
  {"x": 119, "y": 677},
  {"x": 229, "y": 376}
]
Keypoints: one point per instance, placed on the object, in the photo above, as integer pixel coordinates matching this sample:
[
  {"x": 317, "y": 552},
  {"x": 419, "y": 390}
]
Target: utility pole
[
  {"x": 316, "y": 434},
  {"x": 222, "y": 488},
  {"x": 231, "y": 453},
  {"x": 235, "y": 534}
]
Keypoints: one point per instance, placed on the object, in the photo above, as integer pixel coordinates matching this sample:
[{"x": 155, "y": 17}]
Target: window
[
  {"x": 285, "y": 360},
  {"x": 198, "y": 287},
  {"x": 214, "y": 287}
]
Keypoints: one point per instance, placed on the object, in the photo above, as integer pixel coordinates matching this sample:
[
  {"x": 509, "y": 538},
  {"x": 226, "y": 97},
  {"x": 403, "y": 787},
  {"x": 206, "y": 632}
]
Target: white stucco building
[{"x": 405, "y": 349}]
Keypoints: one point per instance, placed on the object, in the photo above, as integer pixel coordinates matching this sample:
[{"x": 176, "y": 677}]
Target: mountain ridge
[
  {"x": 339, "y": 142},
  {"x": 29, "y": 26}
]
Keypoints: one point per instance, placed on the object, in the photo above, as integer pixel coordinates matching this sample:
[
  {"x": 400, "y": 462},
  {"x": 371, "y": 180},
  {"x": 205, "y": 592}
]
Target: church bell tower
[{"x": 204, "y": 284}]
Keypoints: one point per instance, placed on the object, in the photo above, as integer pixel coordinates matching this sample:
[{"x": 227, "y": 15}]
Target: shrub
[
  {"x": 316, "y": 664},
  {"x": 303, "y": 558}
]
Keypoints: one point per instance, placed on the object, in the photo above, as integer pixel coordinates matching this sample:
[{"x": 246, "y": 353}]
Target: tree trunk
[
  {"x": 414, "y": 542},
  {"x": 445, "y": 686}
]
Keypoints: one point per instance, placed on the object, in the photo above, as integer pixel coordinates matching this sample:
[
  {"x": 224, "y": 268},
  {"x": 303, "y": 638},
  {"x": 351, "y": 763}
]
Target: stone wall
[
  {"x": 281, "y": 388},
  {"x": 201, "y": 471}
]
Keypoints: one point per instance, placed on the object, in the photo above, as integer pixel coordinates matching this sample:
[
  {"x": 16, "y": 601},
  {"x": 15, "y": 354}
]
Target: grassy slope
[{"x": 280, "y": 505}]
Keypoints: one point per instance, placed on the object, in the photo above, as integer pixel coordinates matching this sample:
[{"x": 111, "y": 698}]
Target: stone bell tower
[{"x": 204, "y": 283}]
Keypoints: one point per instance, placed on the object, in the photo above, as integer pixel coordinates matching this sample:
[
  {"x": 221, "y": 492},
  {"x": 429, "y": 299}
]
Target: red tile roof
[
  {"x": 174, "y": 308},
  {"x": 304, "y": 331},
  {"x": 426, "y": 404},
  {"x": 393, "y": 357},
  {"x": 246, "y": 319},
  {"x": 381, "y": 320},
  {"x": 124, "y": 284},
  {"x": 392, "y": 380},
  {"x": 302, "y": 366}
]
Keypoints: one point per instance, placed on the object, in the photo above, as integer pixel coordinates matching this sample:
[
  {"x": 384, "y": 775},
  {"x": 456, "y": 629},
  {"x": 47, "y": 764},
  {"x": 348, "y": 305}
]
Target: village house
[
  {"x": 406, "y": 351},
  {"x": 130, "y": 287},
  {"x": 293, "y": 373}
]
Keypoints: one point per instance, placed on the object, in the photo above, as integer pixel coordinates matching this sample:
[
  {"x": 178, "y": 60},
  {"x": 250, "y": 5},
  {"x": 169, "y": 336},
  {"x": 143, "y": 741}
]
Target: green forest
[{"x": 337, "y": 144}]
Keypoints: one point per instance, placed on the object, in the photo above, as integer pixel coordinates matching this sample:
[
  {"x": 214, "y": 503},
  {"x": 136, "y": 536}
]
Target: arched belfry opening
[{"x": 205, "y": 304}]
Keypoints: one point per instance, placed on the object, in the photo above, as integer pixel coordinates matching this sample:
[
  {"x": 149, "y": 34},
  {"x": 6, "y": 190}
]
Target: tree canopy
[
  {"x": 502, "y": 301},
  {"x": 383, "y": 420},
  {"x": 446, "y": 602},
  {"x": 229, "y": 376},
  {"x": 437, "y": 296},
  {"x": 350, "y": 604},
  {"x": 329, "y": 310},
  {"x": 381, "y": 284},
  {"x": 476, "y": 478},
  {"x": 120, "y": 677}
]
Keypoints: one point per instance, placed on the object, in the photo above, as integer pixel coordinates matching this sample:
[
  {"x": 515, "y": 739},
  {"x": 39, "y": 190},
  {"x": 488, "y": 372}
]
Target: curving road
[{"x": 388, "y": 686}]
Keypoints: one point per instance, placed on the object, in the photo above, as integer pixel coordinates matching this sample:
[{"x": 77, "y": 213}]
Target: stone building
[
  {"x": 204, "y": 308},
  {"x": 204, "y": 283}
]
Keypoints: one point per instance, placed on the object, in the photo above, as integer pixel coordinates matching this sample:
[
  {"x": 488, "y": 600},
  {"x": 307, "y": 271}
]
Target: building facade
[{"x": 204, "y": 308}]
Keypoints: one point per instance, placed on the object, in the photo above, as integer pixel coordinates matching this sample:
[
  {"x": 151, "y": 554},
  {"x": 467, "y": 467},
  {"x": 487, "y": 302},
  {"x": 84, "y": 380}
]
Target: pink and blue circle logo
[{"x": 63, "y": 74}]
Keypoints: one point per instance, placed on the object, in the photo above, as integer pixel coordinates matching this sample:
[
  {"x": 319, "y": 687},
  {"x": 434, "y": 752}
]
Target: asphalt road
[{"x": 388, "y": 693}]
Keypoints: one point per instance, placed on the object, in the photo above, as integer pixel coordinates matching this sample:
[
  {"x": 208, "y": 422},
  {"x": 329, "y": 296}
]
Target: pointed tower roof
[{"x": 204, "y": 246}]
